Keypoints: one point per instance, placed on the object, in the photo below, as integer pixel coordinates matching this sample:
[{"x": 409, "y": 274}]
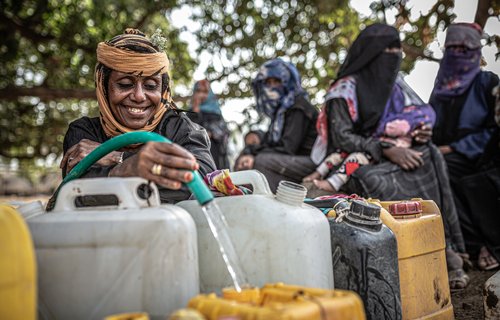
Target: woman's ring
[{"x": 156, "y": 169}]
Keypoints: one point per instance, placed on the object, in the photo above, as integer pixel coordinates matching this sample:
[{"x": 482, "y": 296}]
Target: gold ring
[{"x": 156, "y": 169}]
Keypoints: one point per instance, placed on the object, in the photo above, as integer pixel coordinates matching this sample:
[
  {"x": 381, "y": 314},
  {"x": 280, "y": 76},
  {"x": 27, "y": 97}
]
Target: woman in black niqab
[
  {"x": 375, "y": 72},
  {"x": 351, "y": 115}
]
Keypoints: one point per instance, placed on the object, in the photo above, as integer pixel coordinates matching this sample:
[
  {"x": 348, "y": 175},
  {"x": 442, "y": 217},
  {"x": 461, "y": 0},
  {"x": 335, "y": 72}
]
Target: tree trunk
[
  {"x": 482, "y": 14},
  {"x": 46, "y": 94}
]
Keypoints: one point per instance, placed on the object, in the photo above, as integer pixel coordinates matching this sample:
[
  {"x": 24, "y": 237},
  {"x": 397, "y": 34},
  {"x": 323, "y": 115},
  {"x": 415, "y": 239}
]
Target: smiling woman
[
  {"x": 133, "y": 99},
  {"x": 133, "y": 92}
]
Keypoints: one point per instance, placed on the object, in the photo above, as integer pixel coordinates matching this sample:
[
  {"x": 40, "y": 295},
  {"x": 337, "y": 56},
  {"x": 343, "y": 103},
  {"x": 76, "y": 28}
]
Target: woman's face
[
  {"x": 394, "y": 50},
  {"x": 133, "y": 99},
  {"x": 273, "y": 82},
  {"x": 202, "y": 93}
]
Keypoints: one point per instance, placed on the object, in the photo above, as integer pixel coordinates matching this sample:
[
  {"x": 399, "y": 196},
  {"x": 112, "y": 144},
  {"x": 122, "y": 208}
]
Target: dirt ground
[{"x": 468, "y": 303}]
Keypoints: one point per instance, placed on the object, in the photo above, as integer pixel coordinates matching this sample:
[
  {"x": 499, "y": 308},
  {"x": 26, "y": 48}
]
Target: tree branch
[
  {"x": 25, "y": 31},
  {"x": 233, "y": 69},
  {"x": 414, "y": 53},
  {"x": 45, "y": 94},
  {"x": 5, "y": 154},
  {"x": 13, "y": 93}
]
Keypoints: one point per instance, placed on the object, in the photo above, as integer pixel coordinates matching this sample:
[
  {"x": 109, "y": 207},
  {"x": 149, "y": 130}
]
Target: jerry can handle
[
  {"x": 254, "y": 178},
  {"x": 125, "y": 189}
]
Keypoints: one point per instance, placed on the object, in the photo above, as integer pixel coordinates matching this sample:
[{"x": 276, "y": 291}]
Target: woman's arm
[
  {"x": 190, "y": 150},
  {"x": 342, "y": 135},
  {"x": 82, "y": 137},
  {"x": 194, "y": 138}
]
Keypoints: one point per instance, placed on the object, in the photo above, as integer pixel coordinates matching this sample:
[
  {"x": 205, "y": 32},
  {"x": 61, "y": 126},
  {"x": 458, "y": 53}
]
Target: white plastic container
[
  {"x": 97, "y": 261},
  {"x": 277, "y": 241},
  {"x": 491, "y": 297}
]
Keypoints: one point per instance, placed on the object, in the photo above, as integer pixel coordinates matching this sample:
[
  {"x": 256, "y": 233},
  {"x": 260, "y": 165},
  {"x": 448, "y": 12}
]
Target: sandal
[
  {"x": 458, "y": 279},
  {"x": 486, "y": 261},
  {"x": 467, "y": 263}
]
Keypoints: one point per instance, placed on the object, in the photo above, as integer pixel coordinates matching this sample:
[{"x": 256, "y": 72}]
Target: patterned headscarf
[
  {"x": 210, "y": 105},
  {"x": 274, "y": 102},
  {"x": 134, "y": 54},
  {"x": 458, "y": 69}
]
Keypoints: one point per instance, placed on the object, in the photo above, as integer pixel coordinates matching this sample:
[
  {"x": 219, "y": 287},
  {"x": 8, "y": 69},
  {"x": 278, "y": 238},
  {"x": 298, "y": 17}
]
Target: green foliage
[
  {"x": 244, "y": 34},
  {"x": 51, "y": 44}
]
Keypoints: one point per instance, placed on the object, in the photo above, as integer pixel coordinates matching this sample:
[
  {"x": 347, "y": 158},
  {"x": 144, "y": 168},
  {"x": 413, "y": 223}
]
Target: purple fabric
[
  {"x": 464, "y": 34},
  {"x": 404, "y": 104},
  {"x": 456, "y": 72}
]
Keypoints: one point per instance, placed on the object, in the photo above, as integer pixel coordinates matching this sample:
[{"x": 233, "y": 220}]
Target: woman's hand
[
  {"x": 313, "y": 176},
  {"x": 245, "y": 162},
  {"x": 445, "y": 149},
  {"x": 422, "y": 134},
  {"x": 76, "y": 153},
  {"x": 166, "y": 164},
  {"x": 406, "y": 158}
]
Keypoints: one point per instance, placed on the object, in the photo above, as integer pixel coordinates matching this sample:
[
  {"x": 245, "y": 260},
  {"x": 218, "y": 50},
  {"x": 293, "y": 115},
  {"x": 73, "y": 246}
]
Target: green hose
[{"x": 197, "y": 186}]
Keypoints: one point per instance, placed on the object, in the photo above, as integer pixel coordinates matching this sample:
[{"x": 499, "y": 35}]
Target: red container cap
[{"x": 405, "y": 208}]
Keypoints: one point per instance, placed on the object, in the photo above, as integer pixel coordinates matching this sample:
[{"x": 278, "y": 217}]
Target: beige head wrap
[{"x": 115, "y": 55}]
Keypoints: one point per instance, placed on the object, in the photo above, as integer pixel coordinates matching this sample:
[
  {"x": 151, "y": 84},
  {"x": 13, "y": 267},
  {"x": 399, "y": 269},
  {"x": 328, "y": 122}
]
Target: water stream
[{"x": 219, "y": 228}]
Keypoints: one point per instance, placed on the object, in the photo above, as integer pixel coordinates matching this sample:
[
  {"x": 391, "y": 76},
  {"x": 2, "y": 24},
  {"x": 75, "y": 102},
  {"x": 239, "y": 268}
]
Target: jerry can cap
[
  {"x": 405, "y": 208},
  {"x": 364, "y": 210}
]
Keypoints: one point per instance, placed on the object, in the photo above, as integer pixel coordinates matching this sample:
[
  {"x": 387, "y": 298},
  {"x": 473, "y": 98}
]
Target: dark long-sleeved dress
[
  {"x": 466, "y": 123},
  {"x": 385, "y": 180},
  {"x": 175, "y": 126},
  {"x": 288, "y": 158},
  {"x": 218, "y": 133}
]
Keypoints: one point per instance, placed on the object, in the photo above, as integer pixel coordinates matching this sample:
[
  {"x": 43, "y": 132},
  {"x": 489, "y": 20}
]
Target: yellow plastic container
[
  {"x": 279, "y": 301},
  {"x": 423, "y": 276},
  {"x": 186, "y": 314},
  {"x": 128, "y": 316},
  {"x": 17, "y": 267}
]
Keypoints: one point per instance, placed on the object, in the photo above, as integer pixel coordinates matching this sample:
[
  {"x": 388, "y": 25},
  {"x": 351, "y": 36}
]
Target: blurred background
[{"x": 47, "y": 59}]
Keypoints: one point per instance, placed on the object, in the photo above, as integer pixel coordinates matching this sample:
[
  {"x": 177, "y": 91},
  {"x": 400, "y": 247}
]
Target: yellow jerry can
[
  {"x": 279, "y": 301},
  {"x": 17, "y": 267},
  {"x": 423, "y": 276}
]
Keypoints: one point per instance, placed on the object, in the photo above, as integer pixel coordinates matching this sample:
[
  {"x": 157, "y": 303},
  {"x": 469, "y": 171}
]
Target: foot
[
  {"x": 324, "y": 185},
  {"x": 458, "y": 279},
  {"x": 486, "y": 261},
  {"x": 313, "y": 176},
  {"x": 467, "y": 263}
]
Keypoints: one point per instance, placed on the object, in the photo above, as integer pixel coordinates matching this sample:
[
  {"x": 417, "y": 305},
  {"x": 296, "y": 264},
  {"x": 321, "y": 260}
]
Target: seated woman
[
  {"x": 133, "y": 93},
  {"x": 396, "y": 173},
  {"x": 404, "y": 112},
  {"x": 284, "y": 152},
  {"x": 464, "y": 103},
  {"x": 252, "y": 139},
  {"x": 206, "y": 112}
]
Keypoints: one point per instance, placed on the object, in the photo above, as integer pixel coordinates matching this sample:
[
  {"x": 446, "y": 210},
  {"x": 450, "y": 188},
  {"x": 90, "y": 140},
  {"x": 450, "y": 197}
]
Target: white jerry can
[
  {"x": 135, "y": 255},
  {"x": 277, "y": 239}
]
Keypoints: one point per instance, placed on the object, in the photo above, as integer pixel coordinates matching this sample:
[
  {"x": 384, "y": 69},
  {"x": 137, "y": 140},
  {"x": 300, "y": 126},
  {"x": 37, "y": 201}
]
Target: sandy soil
[{"x": 468, "y": 303}]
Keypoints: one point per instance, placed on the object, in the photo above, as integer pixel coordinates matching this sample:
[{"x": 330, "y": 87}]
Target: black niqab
[{"x": 375, "y": 72}]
